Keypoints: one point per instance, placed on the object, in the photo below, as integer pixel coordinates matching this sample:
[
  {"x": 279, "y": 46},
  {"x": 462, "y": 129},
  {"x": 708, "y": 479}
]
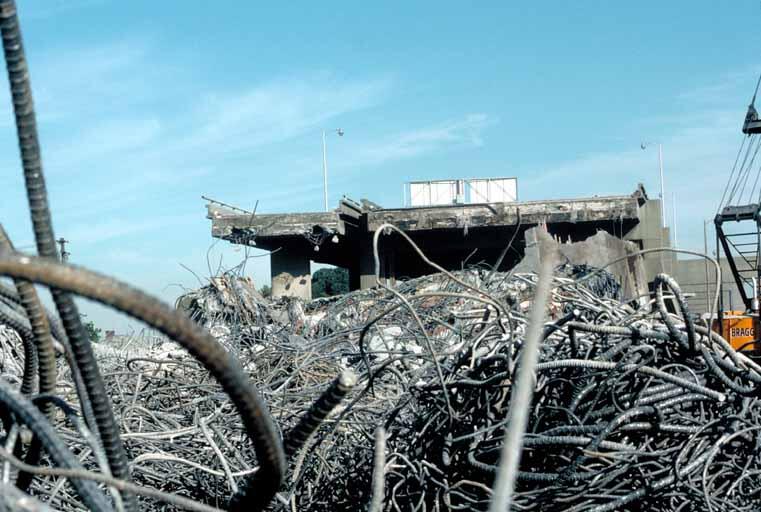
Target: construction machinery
[{"x": 738, "y": 237}]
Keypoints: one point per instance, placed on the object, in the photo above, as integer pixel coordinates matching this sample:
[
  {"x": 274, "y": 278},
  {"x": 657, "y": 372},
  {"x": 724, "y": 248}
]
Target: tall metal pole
[
  {"x": 325, "y": 170},
  {"x": 643, "y": 146},
  {"x": 673, "y": 218},
  {"x": 705, "y": 260},
  {"x": 663, "y": 193}
]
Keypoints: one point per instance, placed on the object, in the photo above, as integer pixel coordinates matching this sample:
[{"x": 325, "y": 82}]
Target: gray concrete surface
[
  {"x": 291, "y": 275},
  {"x": 697, "y": 278}
]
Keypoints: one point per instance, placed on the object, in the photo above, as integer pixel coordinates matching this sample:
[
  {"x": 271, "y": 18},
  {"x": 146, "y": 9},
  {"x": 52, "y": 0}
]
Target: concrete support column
[
  {"x": 366, "y": 265},
  {"x": 650, "y": 233},
  {"x": 390, "y": 267},
  {"x": 364, "y": 275},
  {"x": 291, "y": 276},
  {"x": 354, "y": 276}
]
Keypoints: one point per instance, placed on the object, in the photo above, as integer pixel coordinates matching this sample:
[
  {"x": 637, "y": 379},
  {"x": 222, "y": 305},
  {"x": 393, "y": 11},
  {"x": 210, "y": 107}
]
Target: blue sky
[{"x": 145, "y": 106}]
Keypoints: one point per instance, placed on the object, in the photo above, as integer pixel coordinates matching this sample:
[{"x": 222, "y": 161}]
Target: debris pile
[
  {"x": 633, "y": 407},
  {"x": 394, "y": 399},
  {"x": 230, "y": 308}
]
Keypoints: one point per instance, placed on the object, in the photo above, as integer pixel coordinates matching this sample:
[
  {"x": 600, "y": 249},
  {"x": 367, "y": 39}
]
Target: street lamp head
[{"x": 648, "y": 144}]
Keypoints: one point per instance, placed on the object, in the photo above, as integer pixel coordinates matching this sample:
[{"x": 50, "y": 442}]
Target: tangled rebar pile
[{"x": 632, "y": 407}]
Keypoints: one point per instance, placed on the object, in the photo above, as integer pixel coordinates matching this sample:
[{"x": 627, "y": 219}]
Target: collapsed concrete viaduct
[{"x": 451, "y": 235}]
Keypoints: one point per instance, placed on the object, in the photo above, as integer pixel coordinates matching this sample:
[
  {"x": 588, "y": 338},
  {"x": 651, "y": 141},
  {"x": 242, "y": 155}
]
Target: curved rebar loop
[
  {"x": 666, "y": 280},
  {"x": 390, "y": 227},
  {"x": 29, "y": 146},
  {"x": 10, "y": 296},
  {"x": 40, "y": 329},
  {"x": 201, "y": 345},
  {"x": 44, "y": 353}
]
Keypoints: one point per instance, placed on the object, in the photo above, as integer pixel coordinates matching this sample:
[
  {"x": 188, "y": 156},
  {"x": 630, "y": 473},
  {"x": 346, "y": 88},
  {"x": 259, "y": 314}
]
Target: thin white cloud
[
  {"x": 466, "y": 132},
  {"x": 279, "y": 110},
  {"x": 75, "y": 84},
  {"x": 725, "y": 88},
  {"x": 102, "y": 141}
]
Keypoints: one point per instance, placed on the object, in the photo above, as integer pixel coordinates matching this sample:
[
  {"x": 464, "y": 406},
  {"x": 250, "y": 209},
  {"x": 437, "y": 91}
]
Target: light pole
[
  {"x": 644, "y": 146},
  {"x": 340, "y": 133},
  {"x": 705, "y": 251},
  {"x": 673, "y": 218}
]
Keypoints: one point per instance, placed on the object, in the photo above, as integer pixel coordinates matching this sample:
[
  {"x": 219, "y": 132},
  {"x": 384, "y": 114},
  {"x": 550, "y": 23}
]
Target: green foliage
[
  {"x": 327, "y": 282},
  {"x": 265, "y": 290},
  {"x": 93, "y": 333}
]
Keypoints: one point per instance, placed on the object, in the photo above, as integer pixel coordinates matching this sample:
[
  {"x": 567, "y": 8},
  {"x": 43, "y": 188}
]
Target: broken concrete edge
[{"x": 225, "y": 222}]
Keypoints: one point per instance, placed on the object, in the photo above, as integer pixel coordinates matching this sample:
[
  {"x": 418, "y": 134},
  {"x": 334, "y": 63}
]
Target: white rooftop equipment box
[{"x": 463, "y": 191}]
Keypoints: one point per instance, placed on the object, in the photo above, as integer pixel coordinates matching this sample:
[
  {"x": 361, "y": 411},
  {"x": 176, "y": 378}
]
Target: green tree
[
  {"x": 93, "y": 333},
  {"x": 266, "y": 290},
  {"x": 327, "y": 282}
]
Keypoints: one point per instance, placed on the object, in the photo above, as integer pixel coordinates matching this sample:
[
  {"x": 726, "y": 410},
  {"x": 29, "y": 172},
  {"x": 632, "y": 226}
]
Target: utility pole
[
  {"x": 340, "y": 133},
  {"x": 673, "y": 218},
  {"x": 325, "y": 170},
  {"x": 644, "y": 146},
  {"x": 663, "y": 192},
  {"x": 705, "y": 260},
  {"x": 64, "y": 255}
]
